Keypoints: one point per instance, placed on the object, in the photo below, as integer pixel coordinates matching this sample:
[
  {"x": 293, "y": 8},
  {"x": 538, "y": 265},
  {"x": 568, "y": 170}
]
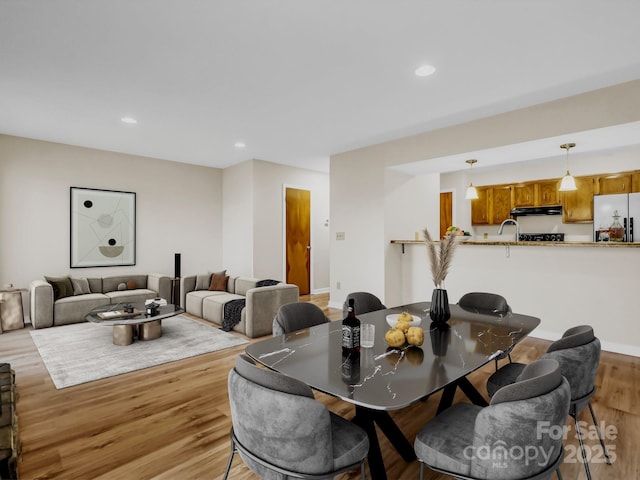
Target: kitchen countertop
[{"x": 533, "y": 244}]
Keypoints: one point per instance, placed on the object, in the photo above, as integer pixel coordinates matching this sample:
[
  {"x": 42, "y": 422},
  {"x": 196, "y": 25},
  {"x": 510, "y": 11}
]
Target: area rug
[{"x": 84, "y": 352}]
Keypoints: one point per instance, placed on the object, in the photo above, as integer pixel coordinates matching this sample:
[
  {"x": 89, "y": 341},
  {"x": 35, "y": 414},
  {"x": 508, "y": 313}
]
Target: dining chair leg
[
  {"x": 558, "y": 474},
  {"x": 230, "y": 461},
  {"x": 582, "y": 449},
  {"x": 421, "y": 471},
  {"x": 363, "y": 474},
  {"x": 595, "y": 422}
]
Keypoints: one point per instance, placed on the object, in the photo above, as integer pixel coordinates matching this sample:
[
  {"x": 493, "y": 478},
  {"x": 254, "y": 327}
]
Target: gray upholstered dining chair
[
  {"x": 364, "y": 302},
  {"x": 511, "y": 439},
  {"x": 281, "y": 431},
  {"x": 487, "y": 302},
  {"x": 578, "y": 354},
  {"x": 296, "y": 316}
]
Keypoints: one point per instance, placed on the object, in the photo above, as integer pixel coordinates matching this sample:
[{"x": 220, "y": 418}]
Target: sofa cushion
[
  {"x": 75, "y": 309},
  {"x": 245, "y": 283},
  {"x": 110, "y": 284},
  {"x": 62, "y": 287},
  {"x": 213, "y": 306},
  {"x": 219, "y": 282},
  {"x": 203, "y": 281},
  {"x": 80, "y": 286},
  {"x": 193, "y": 301},
  {"x": 131, "y": 296}
]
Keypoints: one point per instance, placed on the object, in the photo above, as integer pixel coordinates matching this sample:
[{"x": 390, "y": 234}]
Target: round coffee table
[{"x": 128, "y": 326}]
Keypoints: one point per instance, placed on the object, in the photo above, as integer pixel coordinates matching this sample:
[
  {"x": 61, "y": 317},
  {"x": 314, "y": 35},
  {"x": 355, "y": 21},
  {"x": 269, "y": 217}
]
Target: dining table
[{"x": 381, "y": 379}]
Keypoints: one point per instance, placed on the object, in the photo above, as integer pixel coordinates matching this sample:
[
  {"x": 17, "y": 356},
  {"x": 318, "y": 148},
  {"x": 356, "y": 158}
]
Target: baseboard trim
[
  {"x": 320, "y": 290},
  {"x": 613, "y": 347},
  {"x": 337, "y": 305}
]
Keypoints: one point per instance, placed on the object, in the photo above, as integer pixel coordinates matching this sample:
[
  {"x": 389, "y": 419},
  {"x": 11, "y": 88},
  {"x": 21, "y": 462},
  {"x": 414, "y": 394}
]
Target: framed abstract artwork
[{"x": 103, "y": 228}]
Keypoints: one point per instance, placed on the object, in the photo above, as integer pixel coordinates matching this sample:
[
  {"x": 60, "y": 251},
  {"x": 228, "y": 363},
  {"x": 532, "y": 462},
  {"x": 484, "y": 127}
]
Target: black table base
[
  {"x": 367, "y": 419},
  {"x": 449, "y": 391}
]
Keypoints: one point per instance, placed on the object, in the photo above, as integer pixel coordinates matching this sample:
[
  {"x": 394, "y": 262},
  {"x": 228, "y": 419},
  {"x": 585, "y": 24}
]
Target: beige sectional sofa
[
  {"x": 52, "y": 304},
  {"x": 261, "y": 303}
]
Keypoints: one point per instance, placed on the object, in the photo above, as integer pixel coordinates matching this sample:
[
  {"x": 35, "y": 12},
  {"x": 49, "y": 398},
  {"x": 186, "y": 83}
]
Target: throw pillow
[
  {"x": 122, "y": 286},
  {"x": 132, "y": 285},
  {"x": 80, "y": 286},
  {"x": 219, "y": 282},
  {"x": 203, "y": 281},
  {"x": 62, "y": 287}
]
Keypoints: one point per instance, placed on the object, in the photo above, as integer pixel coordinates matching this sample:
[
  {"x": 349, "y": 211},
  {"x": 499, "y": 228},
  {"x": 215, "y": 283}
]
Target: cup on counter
[{"x": 367, "y": 335}]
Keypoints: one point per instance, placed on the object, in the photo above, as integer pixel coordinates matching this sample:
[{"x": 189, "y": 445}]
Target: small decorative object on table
[{"x": 440, "y": 260}]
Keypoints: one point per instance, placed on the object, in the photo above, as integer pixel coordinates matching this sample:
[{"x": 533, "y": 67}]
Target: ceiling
[{"x": 294, "y": 80}]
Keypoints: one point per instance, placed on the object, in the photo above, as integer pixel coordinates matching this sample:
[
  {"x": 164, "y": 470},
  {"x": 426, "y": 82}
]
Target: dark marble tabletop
[{"x": 392, "y": 378}]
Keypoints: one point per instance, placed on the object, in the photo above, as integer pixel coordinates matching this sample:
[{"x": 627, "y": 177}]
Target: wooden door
[
  {"x": 298, "y": 238},
  {"x": 446, "y": 212}
]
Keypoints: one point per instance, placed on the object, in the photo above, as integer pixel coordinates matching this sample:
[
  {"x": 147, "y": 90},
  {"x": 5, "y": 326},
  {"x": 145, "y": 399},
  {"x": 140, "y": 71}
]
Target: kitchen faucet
[{"x": 510, "y": 220}]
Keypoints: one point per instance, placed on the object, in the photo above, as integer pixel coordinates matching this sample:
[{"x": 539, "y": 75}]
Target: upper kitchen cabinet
[
  {"x": 635, "y": 181},
  {"x": 492, "y": 205},
  {"x": 577, "y": 206},
  {"x": 480, "y": 207},
  {"x": 548, "y": 194},
  {"x": 618, "y": 183},
  {"x": 500, "y": 203},
  {"x": 524, "y": 195}
]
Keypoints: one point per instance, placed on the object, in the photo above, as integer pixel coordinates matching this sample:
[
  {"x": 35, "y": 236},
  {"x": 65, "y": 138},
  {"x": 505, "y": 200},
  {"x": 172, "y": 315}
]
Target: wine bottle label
[{"x": 350, "y": 337}]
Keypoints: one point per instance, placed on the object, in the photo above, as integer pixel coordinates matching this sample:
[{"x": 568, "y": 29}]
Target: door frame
[{"x": 284, "y": 231}]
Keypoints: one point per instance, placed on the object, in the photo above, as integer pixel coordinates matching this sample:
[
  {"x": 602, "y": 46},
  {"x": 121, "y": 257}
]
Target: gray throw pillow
[
  {"x": 203, "y": 282},
  {"x": 80, "y": 286},
  {"x": 62, "y": 287}
]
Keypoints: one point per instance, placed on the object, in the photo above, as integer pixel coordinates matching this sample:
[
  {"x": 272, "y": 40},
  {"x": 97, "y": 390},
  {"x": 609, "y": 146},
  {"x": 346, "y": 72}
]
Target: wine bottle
[{"x": 351, "y": 330}]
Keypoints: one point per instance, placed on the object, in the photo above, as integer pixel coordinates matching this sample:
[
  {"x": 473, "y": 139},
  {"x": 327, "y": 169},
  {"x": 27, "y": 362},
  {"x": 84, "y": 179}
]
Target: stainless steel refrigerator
[{"x": 605, "y": 207}]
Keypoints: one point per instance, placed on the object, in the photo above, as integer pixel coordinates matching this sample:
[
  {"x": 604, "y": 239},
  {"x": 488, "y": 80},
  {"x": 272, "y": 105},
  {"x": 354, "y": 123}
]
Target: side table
[
  {"x": 9, "y": 436},
  {"x": 11, "y": 313}
]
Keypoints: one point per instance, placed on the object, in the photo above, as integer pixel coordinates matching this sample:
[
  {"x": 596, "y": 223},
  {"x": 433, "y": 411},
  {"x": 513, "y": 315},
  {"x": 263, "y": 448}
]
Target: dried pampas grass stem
[{"x": 440, "y": 259}]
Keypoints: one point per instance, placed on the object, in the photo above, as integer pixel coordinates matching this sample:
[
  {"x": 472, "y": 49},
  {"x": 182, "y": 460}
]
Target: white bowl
[{"x": 392, "y": 319}]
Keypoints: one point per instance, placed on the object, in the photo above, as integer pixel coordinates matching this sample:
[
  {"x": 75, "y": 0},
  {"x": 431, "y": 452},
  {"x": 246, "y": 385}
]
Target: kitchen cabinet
[
  {"x": 480, "y": 207},
  {"x": 524, "y": 195},
  {"x": 635, "y": 181},
  {"x": 619, "y": 183},
  {"x": 577, "y": 206},
  {"x": 500, "y": 203},
  {"x": 492, "y": 205},
  {"x": 548, "y": 194}
]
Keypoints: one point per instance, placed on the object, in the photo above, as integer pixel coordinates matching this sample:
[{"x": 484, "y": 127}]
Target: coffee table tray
[{"x": 115, "y": 314}]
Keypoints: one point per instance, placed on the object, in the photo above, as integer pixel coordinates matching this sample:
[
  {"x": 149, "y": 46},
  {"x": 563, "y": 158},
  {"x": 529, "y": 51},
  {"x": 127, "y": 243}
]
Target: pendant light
[
  {"x": 472, "y": 193},
  {"x": 568, "y": 183}
]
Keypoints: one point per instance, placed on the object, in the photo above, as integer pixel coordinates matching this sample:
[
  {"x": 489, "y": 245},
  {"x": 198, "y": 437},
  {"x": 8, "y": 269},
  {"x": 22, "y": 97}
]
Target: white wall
[
  {"x": 178, "y": 209},
  {"x": 237, "y": 220},
  {"x": 253, "y": 219}
]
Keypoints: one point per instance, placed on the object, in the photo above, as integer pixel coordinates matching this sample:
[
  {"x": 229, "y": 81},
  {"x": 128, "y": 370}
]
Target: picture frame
[{"x": 102, "y": 228}]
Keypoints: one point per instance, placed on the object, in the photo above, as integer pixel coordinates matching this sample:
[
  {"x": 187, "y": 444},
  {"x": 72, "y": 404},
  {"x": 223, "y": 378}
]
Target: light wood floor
[{"x": 172, "y": 421}]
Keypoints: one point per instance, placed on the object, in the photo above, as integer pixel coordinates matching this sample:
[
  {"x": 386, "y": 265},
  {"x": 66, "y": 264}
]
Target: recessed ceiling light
[
  {"x": 239, "y": 145},
  {"x": 425, "y": 70},
  {"x": 129, "y": 120}
]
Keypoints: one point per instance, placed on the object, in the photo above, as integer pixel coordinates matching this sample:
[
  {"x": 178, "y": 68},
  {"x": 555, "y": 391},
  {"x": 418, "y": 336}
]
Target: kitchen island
[{"x": 563, "y": 283}]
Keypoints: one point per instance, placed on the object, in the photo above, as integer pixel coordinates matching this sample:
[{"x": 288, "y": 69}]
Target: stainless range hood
[{"x": 523, "y": 211}]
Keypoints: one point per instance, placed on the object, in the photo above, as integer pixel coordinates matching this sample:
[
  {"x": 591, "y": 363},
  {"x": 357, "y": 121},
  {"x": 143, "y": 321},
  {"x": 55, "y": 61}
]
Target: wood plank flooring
[{"x": 172, "y": 421}]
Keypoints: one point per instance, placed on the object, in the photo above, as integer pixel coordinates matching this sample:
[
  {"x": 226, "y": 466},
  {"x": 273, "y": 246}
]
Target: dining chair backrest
[
  {"x": 578, "y": 354},
  {"x": 513, "y": 420},
  {"x": 364, "y": 302},
  {"x": 484, "y": 302},
  {"x": 296, "y": 316}
]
